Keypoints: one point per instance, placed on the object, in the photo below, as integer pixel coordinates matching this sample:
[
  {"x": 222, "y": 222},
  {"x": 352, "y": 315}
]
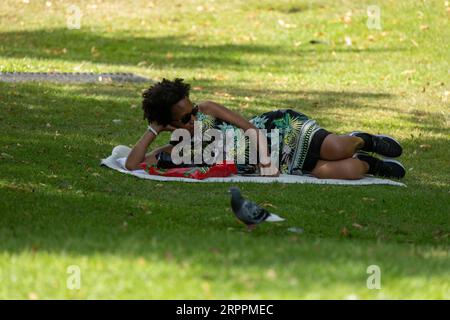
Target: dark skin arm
[
  {"x": 137, "y": 154},
  {"x": 219, "y": 111}
]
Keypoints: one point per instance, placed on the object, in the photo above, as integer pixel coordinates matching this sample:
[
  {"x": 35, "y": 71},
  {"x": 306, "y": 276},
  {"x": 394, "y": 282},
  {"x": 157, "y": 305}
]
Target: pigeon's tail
[{"x": 274, "y": 218}]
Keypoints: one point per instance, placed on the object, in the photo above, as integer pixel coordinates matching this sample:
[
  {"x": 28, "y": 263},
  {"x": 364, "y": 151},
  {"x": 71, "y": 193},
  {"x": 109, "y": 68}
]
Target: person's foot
[
  {"x": 387, "y": 168},
  {"x": 381, "y": 144}
]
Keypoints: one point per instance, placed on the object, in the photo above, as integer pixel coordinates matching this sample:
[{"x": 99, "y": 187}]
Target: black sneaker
[
  {"x": 387, "y": 168},
  {"x": 381, "y": 144}
]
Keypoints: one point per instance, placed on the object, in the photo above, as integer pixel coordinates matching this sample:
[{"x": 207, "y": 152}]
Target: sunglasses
[{"x": 187, "y": 117}]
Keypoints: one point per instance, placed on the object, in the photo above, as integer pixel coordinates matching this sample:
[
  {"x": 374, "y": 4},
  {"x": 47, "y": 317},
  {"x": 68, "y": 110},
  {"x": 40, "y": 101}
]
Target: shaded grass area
[
  {"x": 148, "y": 237},
  {"x": 160, "y": 51},
  {"x": 144, "y": 239}
]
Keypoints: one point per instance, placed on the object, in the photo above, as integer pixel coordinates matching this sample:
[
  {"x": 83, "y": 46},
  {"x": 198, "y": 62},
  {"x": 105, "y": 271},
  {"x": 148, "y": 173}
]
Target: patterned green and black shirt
[{"x": 295, "y": 132}]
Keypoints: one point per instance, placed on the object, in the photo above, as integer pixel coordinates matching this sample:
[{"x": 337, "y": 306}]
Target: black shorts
[{"x": 313, "y": 154}]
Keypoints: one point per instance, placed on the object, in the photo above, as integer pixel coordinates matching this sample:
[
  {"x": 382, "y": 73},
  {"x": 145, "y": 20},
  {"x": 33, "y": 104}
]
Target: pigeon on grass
[{"x": 249, "y": 212}]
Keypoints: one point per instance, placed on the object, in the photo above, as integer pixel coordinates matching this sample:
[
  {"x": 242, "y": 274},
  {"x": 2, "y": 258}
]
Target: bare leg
[
  {"x": 336, "y": 147},
  {"x": 349, "y": 169}
]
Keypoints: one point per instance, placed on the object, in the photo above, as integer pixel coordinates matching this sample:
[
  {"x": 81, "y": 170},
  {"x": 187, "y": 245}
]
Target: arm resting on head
[{"x": 137, "y": 154}]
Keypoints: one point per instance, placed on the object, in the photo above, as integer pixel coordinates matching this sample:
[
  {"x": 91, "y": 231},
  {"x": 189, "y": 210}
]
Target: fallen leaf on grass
[
  {"x": 215, "y": 251},
  {"x": 267, "y": 204},
  {"x": 94, "y": 52},
  {"x": 141, "y": 261},
  {"x": 283, "y": 24},
  {"x": 219, "y": 77},
  {"x": 347, "y": 18},
  {"x": 345, "y": 232},
  {"x": 6, "y": 156},
  {"x": 206, "y": 287},
  {"x": 357, "y": 226},
  {"x": 169, "y": 256},
  {"x": 34, "y": 249},
  {"x": 296, "y": 230},
  {"x": 408, "y": 72},
  {"x": 271, "y": 274},
  {"x": 33, "y": 296}
]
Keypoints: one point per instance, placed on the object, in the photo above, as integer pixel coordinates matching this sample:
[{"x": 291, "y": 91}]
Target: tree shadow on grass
[
  {"x": 60, "y": 141},
  {"x": 311, "y": 101},
  {"x": 56, "y": 198},
  {"x": 78, "y": 46},
  {"x": 123, "y": 50},
  {"x": 190, "y": 228}
]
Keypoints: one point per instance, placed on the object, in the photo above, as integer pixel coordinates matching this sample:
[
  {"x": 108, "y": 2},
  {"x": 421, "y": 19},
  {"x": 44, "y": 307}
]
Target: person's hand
[{"x": 269, "y": 171}]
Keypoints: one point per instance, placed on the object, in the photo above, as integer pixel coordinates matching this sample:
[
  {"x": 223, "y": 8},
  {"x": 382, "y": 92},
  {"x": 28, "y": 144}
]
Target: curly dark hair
[{"x": 160, "y": 97}]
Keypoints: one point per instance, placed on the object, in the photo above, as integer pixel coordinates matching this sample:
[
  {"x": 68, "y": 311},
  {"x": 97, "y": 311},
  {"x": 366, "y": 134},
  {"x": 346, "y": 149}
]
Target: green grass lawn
[{"x": 145, "y": 239}]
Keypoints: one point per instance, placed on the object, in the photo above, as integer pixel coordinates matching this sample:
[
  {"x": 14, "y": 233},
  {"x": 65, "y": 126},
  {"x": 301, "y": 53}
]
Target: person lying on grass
[{"x": 304, "y": 147}]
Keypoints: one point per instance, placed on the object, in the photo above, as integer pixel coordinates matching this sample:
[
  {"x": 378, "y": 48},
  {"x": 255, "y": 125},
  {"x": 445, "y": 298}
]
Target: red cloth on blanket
[{"x": 223, "y": 169}]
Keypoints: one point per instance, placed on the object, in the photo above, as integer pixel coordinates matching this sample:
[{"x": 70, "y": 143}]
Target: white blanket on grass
[{"x": 119, "y": 155}]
